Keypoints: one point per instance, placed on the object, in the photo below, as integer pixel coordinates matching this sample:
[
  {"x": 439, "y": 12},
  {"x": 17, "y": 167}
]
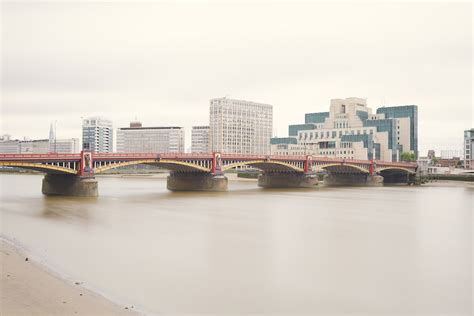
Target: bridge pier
[
  {"x": 335, "y": 179},
  {"x": 287, "y": 180},
  {"x": 194, "y": 181},
  {"x": 69, "y": 185}
]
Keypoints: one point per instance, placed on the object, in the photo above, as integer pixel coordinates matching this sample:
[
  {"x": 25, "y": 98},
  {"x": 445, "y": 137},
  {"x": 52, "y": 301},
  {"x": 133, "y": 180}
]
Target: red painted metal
[{"x": 216, "y": 159}]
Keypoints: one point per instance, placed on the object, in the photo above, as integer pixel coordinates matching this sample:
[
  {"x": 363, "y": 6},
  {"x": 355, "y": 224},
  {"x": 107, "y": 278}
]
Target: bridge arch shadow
[{"x": 396, "y": 175}]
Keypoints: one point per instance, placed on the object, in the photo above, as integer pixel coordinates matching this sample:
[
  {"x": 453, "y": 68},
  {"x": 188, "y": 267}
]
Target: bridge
[{"x": 74, "y": 174}]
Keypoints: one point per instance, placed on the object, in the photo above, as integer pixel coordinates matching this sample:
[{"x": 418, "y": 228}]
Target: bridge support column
[
  {"x": 287, "y": 180},
  {"x": 352, "y": 179},
  {"x": 192, "y": 181},
  {"x": 69, "y": 185}
]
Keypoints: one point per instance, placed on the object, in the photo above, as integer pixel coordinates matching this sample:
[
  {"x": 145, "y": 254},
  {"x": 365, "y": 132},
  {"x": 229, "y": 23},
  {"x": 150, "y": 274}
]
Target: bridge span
[{"x": 74, "y": 174}]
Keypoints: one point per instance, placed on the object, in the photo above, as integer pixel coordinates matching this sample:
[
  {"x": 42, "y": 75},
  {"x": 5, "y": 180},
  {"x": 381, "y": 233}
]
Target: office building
[
  {"x": 240, "y": 127},
  {"x": 65, "y": 146},
  {"x": 467, "y": 149},
  {"x": 451, "y": 153},
  {"x": 36, "y": 146},
  {"x": 351, "y": 131},
  {"x": 8, "y": 145},
  {"x": 139, "y": 139},
  {"x": 97, "y": 135},
  {"x": 200, "y": 139}
]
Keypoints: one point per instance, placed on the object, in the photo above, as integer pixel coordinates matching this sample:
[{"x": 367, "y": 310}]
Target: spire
[{"x": 51, "y": 134}]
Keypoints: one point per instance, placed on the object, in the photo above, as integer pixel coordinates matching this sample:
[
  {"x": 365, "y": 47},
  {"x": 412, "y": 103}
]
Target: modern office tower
[
  {"x": 407, "y": 125},
  {"x": 138, "y": 139},
  {"x": 467, "y": 148},
  {"x": 97, "y": 135},
  {"x": 36, "y": 146},
  {"x": 200, "y": 139},
  {"x": 240, "y": 127},
  {"x": 350, "y": 131},
  {"x": 8, "y": 145},
  {"x": 65, "y": 146}
]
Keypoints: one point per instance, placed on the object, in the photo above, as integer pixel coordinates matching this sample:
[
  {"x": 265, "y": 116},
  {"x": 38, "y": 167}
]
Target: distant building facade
[
  {"x": 240, "y": 127},
  {"x": 467, "y": 149},
  {"x": 36, "y": 146},
  {"x": 139, "y": 139},
  {"x": 97, "y": 135},
  {"x": 65, "y": 146},
  {"x": 8, "y": 145},
  {"x": 451, "y": 153},
  {"x": 200, "y": 139},
  {"x": 351, "y": 131}
]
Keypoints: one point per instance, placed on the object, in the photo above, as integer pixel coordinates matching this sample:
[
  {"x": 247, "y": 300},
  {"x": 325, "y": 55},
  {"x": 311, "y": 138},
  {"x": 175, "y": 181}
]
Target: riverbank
[{"x": 29, "y": 289}]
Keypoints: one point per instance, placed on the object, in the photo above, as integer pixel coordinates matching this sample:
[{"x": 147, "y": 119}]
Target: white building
[
  {"x": 451, "y": 153},
  {"x": 65, "y": 146},
  {"x": 8, "y": 145},
  {"x": 200, "y": 139},
  {"x": 240, "y": 127},
  {"x": 467, "y": 148},
  {"x": 350, "y": 131},
  {"x": 138, "y": 139},
  {"x": 37, "y": 146},
  {"x": 97, "y": 135}
]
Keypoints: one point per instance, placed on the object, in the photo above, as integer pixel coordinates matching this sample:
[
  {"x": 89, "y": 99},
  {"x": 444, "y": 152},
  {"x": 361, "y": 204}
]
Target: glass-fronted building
[
  {"x": 97, "y": 135},
  {"x": 467, "y": 149},
  {"x": 138, "y": 139},
  {"x": 404, "y": 112},
  {"x": 351, "y": 131}
]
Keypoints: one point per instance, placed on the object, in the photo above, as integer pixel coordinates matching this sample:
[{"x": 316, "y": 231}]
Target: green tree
[{"x": 407, "y": 156}]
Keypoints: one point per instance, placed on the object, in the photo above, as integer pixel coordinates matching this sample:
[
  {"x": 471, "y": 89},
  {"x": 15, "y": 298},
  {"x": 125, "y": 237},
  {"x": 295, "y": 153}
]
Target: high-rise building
[
  {"x": 97, "y": 135},
  {"x": 200, "y": 139},
  {"x": 138, "y": 139},
  {"x": 350, "y": 131},
  {"x": 240, "y": 127},
  {"x": 467, "y": 149},
  {"x": 407, "y": 125}
]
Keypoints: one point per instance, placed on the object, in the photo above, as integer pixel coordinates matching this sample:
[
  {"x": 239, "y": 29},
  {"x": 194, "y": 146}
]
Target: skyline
[{"x": 162, "y": 72}]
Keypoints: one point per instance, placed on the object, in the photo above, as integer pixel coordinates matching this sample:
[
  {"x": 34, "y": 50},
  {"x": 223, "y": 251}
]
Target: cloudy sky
[{"x": 161, "y": 62}]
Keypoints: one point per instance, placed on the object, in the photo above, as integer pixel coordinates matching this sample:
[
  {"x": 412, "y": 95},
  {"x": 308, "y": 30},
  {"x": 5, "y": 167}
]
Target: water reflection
[{"x": 388, "y": 250}]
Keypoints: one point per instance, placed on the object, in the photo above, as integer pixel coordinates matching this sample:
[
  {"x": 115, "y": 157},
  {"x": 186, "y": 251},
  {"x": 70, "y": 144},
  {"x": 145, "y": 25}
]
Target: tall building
[
  {"x": 407, "y": 125},
  {"x": 97, "y": 135},
  {"x": 138, "y": 139},
  {"x": 467, "y": 148},
  {"x": 200, "y": 139},
  {"x": 240, "y": 127},
  {"x": 351, "y": 131}
]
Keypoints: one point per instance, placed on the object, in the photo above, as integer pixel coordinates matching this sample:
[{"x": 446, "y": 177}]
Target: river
[{"x": 399, "y": 250}]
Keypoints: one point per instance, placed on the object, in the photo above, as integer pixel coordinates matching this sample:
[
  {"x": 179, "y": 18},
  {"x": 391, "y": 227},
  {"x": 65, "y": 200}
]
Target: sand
[{"x": 27, "y": 288}]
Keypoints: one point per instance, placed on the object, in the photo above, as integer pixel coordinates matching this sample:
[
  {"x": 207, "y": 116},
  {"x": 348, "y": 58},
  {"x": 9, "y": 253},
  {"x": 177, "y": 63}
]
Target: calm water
[{"x": 389, "y": 250}]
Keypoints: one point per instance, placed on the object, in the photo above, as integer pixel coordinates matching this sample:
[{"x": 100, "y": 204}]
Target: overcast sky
[{"x": 162, "y": 62}]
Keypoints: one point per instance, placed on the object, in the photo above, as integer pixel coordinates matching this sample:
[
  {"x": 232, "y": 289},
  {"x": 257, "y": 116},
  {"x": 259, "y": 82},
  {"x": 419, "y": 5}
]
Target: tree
[{"x": 407, "y": 156}]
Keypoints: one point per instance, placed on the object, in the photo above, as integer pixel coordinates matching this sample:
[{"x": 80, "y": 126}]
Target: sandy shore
[{"x": 29, "y": 289}]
